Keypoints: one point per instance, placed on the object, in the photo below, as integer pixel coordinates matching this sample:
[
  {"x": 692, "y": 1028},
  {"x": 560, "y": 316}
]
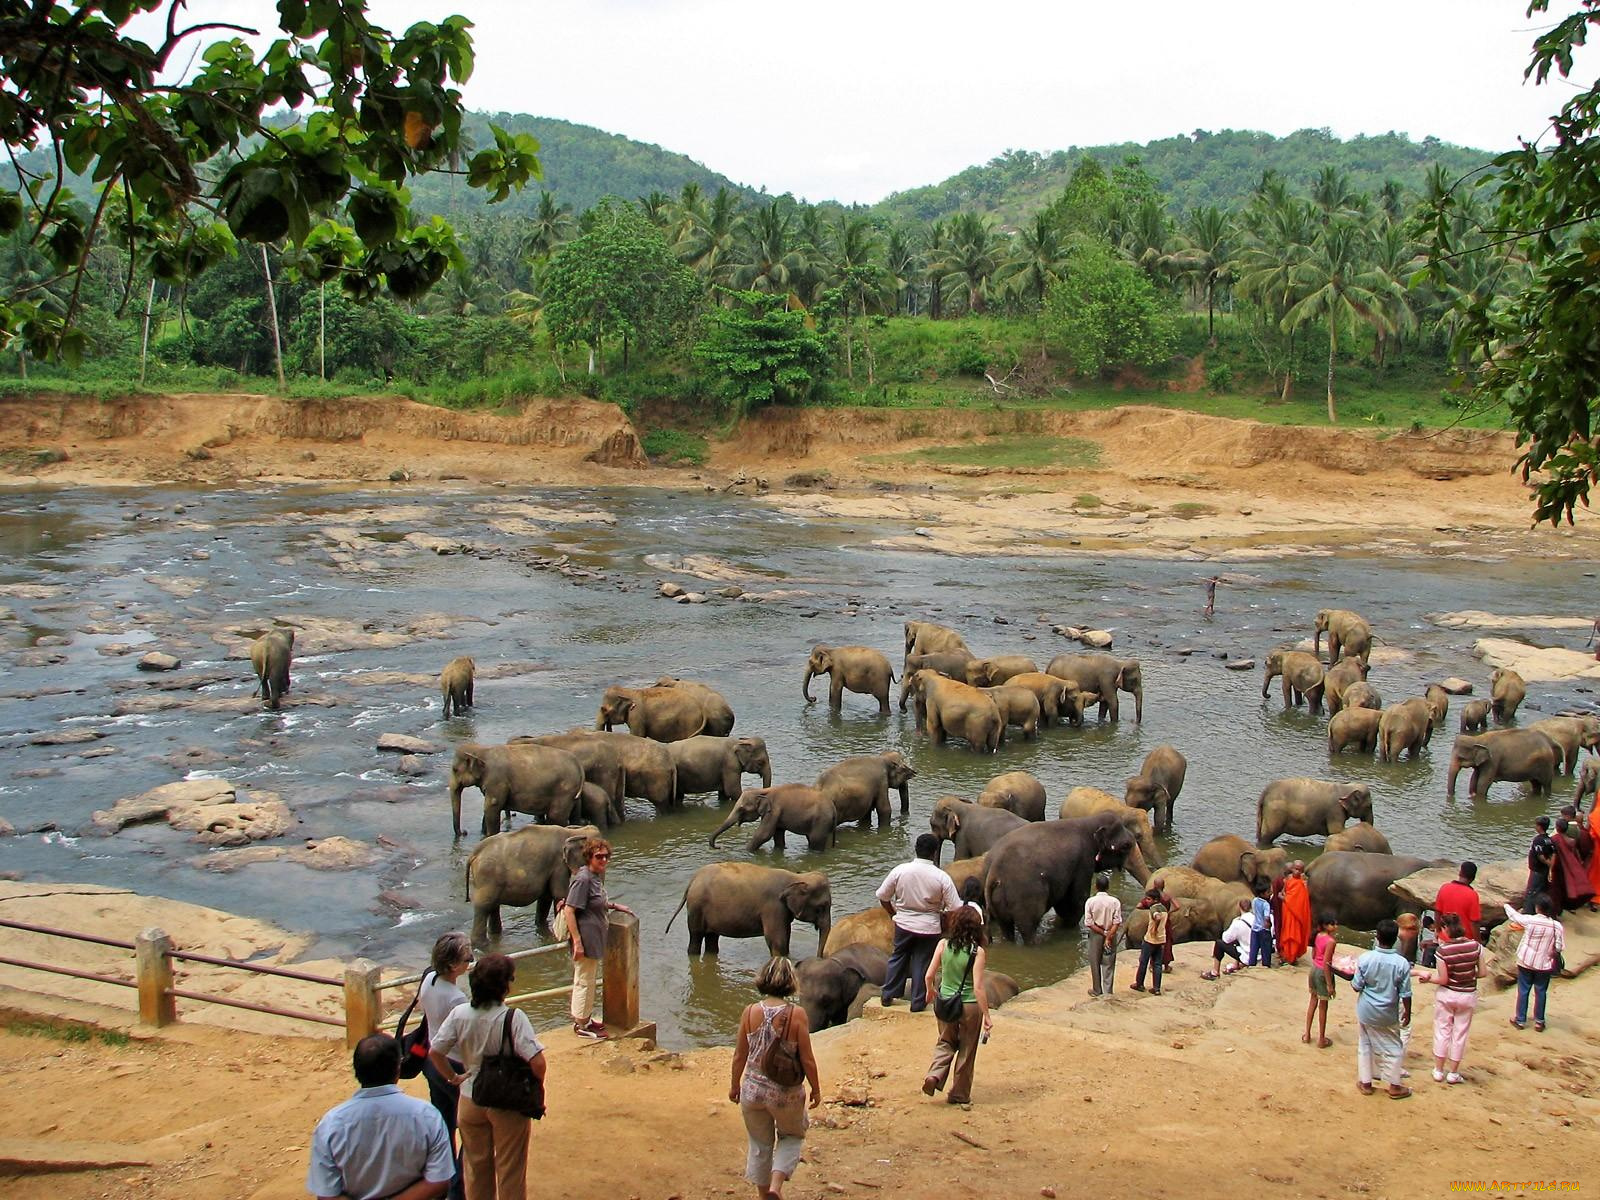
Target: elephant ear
[
  {"x": 795, "y": 897},
  {"x": 572, "y": 852},
  {"x": 473, "y": 758},
  {"x": 1102, "y": 835},
  {"x": 1247, "y": 864},
  {"x": 953, "y": 819},
  {"x": 763, "y": 803}
]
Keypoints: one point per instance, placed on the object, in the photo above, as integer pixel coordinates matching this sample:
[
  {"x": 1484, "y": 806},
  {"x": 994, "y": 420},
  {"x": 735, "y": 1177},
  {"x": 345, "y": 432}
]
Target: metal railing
[{"x": 362, "y": 984}]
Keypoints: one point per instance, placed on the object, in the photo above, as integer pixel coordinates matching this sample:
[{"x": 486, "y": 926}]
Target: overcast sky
[{"x": 853, "y": 99}]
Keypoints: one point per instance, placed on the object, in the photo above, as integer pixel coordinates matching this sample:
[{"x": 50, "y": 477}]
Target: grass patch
[
  {"x": 1087, "y": 500},
  {"x": 1010, "y": 452},
  {"x": 675, "y": 447},
  {"x": 1188, "y": 510},
  {"x": 67, "y": 1031}
]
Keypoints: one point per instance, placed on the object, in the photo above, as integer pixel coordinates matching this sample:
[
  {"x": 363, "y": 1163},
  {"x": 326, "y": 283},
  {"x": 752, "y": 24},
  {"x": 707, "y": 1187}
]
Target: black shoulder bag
[
  {"x": 413, "y": 1045},
  {"x": 949, "y": 1008},
  {"x": 505, "y": 1080}
]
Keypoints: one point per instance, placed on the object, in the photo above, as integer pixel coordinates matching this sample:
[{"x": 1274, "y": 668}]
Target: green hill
[{"x": 1202, "y": 168}]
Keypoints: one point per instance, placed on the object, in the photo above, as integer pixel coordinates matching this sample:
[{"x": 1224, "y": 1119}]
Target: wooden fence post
[
  {"x": 620, "y": 999},
  {"x": 153, "y": 972},
  {"x": 362, "y": 1007}
]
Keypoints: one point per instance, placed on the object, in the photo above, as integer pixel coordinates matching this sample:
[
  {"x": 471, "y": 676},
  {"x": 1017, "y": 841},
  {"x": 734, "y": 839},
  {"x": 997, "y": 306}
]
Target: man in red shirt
[{"x": 1460, "y": 897}]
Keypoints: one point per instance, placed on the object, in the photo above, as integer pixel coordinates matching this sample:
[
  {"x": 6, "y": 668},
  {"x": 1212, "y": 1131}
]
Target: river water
[{"x": 168, "y": 569}]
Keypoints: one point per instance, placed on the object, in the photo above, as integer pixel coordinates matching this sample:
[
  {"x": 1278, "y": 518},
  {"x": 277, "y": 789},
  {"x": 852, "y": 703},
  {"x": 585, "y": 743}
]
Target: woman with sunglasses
[{"x": 587, "y": 905}]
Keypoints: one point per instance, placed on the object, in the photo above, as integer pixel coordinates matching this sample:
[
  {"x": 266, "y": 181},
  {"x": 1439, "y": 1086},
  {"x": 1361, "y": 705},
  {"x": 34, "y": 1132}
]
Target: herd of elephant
[{"x": 679, "y": 743}]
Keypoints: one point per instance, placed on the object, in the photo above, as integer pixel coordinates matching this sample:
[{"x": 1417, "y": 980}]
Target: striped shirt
[
  {"x": 1542, "y": 938},
  {"x": 1458, "y": 962}
]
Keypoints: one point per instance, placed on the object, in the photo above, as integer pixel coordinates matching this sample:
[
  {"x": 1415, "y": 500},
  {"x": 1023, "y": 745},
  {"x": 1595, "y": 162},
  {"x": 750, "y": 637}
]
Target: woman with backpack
[
  {"x": 960, "y": 1004},
  {"x": 772, "y": 1065}
]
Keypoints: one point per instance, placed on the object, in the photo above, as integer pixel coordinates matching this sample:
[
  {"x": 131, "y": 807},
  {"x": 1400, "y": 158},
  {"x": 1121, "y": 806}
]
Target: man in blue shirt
[
  {"x": 380, "y": 1144},
  {"x": 1260, "y": 927},
  {"x": 1383, "y": 1011}
]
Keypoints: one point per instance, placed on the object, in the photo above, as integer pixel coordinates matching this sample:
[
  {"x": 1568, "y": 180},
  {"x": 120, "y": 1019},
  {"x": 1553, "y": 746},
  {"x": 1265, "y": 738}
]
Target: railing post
[
  {"x": 153, "y": 972},
  {"x": 620, "y": 998},
  {"x": 362, "y": 1008}
]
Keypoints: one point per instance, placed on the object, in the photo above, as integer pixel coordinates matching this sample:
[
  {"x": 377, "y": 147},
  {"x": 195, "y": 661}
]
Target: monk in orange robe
[
  {"x": 1594, "y": 855},
  {"x": 1294, "y": 933}
]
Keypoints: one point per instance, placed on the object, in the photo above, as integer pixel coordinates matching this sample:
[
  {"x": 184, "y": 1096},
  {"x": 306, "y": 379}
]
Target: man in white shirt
[
  {"x": 380, "y": 1143},
  {"x": 914, "y": 895},
  {"x": 1102, "y": 917},
  {"x": 1234, "y": 942}
]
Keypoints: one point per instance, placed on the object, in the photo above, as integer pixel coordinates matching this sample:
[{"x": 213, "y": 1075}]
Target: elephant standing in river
[
  {"x": 1302, "y": 807},
  {"x": 718, "y": 764},
  {"x": 1515, "y": 755},
  {"x": 270, "y": 655},
  {"x": 788, "y": 808},
  {"x": 949, "y": 707},
  {"x": 992, "y": 672},
  {"x": 1059, "y": 699},
  {"x": 533, "y": 865},
  {"x": 1360, "y": 836},
  {"x": 1017, "y": 792},
  {"x": 1352, "y": 887},
  {"x": 924, "y": 637},
  {"x": 1339, "y": 677},
  {"x": 663, "y": 714},
  {"x": 1349, "y": 635},
  {"x": 1303, "y": 678},
  {"x": 1360, "y": 695},
  {"x": 1506, "y": 692},
  {"x": 540, "y": 780},
  {"x": 1105, "y": 676},
  {"x": 858, "y": 669},
  {"x": 649, "y": 772},
  {"x": 1572, "y": 736},
  {"x": 859, "y": 786},
  {"x": 717, "y": 710},
  {"x": 1356, "y": 727},
  {"x": 600, "y": 759},
  {"x": 455, "y": 685},
  {"x": 1230, "y": 858},
  {"x": 1475, "y": 716},
  {"x": 1088, "y": 801},
  {"x": 1155, "y": 788},
  {"x": 971, "y": 828},
  {"x": 1407, "y": 726},
  {"x": 952, "y": 666},
  {"x": 1050, "y": 865},
  {"x": 738, "y": 899},
  {"x": 1019, "y": 708}
]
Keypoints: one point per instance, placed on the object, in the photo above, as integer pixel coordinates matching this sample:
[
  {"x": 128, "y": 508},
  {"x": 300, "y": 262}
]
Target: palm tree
[
  {"x": 1278, "y": 230},
  {"x": 1333, "y": 195},
  {"x": 766, "y": 260},
  {"x": 855, "y": 242},
  {"x": 550, "y": 225},
  {"x": 461, "y": 293},
  {"x": 1036, "y": 259},
  {"x": 1395, "y": 257},
  {"x": 709, "y": 244},
  {"x": 1338, "y": 284},
  {"x": 1146, "y": 236},
  {"x": 902, "y": 264},
  {"x": 689, "y": 210},
  {"x": 1204, "y": 255},
  {"x": 937, "y": 262},
  {"x": 656, "y": 205},
  {"x": 973, "y": 257}
]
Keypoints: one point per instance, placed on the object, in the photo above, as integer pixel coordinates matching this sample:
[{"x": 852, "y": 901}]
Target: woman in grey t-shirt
[{"x": 587, "y": 905}]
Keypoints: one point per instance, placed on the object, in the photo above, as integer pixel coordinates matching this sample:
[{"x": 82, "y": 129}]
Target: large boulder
[
  {"x": 210, "y": 809},
  {"x": 1498, "y": 884},
  {"x": 1582, "y": 936}
]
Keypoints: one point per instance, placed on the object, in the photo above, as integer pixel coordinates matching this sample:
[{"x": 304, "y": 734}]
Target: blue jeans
[
  {"x": 1260, "y": 947},
  {"x": 444, "y": 1096},
  {"x": 1150, "y": 956},
  {"x": 1538, "y": 982},
  {"x": 911, "y": 955}
]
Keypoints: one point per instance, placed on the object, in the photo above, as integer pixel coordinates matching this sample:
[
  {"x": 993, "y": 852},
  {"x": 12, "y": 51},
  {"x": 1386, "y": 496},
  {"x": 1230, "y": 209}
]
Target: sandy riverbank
[
  {"x": 1202, "y": 1091},
  {"x": 1164, "y": 481}
]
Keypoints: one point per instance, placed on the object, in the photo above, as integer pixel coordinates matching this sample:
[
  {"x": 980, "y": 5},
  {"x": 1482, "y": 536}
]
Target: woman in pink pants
[{"x": 1460, "y": 967}]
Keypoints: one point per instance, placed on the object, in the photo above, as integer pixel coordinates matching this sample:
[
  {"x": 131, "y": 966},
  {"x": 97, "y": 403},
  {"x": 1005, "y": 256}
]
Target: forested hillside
[{"x": 1203, "y": 168}]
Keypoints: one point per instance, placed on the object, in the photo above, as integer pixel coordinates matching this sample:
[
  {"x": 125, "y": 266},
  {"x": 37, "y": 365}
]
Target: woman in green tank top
[{"x": 958, "y": 964}]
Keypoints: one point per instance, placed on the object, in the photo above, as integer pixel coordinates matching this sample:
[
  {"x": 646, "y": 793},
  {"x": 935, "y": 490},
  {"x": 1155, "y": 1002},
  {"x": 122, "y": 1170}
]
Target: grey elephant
[
  {"x": 455, "y": 685},
  {"x": 1017, "y": 792},
  {"x": 1059, "y": 699},
  {"x": 859, "y": 786},
  {"x": 992, "y": 672},
  {"x": 1088, "y": 801},
  {"x": 594, "y": 806},
  {"x": 784, "y": 809},
  {"x": 738, "y": 899},
  {"x": 1303, "y": 678},
  {"x": 539, "y": 780},
  {"x": 971, "y": 828},
  {"x": 1438, "y": 704},
  {"x": 1361, "y": 695},
  {"x": 1475, "y": 716},
  {"x": 925, "y": 637},
  {"x": 1019, "y": 708},
  {"x": 1404, "y": 727},
  {"x": 1513, "y": 755},
  {"x": 949, "y": 708},
  {"x": 533, "y": 865},
  {"x": 648, "y": 771},
  {"x": 1572, "y": 736},
  {"x": 1588, "y": 780},
  {"x": 1507, "y": 690},
  {"x": 950, "y": 665},
  {"x": 1337, "y": 678},
  {"x": 1356, "y": 727},
  {"x": 600, "y": 759},
  {"x": 1207, "y": 906},
  {"x": 1352, "y": 886},
  {"x": 1049, "y": 865},
  {"x": 858, "y": 669},
  {"x": 1232, "y": 859},
  {"x": 718, "y": 764},
  {"x": 831, "y": 986},
  {"x": 1155, "y": 788},
  {"x": 1361, "y": 837},
  {"x": 1349, "y": 634},
  {"x": 270, "y": 655},
  {"x": 663, "y": 714},
  {"x": 1302, "y": 807},
  {"x": 1105, "y": 676},
  {"x": 718, "y": 712}
]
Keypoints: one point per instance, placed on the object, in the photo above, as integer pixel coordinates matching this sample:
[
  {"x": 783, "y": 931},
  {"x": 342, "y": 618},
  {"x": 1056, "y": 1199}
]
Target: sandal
[
  {"x": 1306, "y": 1038},
  {"x": 1208, "y": 975},
  {"x": 1366, "y": 1089},
  {"x": 1538, "y": 1026},
  {"x": 1399, "y": 1093},
  {"x": 1516, "y": 1024},
  {"x": 1324, "y": 1043}
]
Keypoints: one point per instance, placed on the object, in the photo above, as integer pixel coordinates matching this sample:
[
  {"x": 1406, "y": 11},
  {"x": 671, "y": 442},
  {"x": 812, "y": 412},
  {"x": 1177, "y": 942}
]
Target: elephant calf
[
  {"x": 534, "y": 865},
  {"x": 833, "y": 987},
  {"x": 718, "y": 764},
  {"x": 1506, "y": 692},
  {"x": 1018, "y": 707},
  {"x": 270, "y": 655},
  {"x": 971, "y": 828},
  {"x": 1475, "y": 716},
  {"x": 859, "y": 787},
  {"x": 1303, "y": 678},
  {"x": 455, "y": 685},
  {"x": 992, "y": 672},
  {"x": 1356, "y": 727},
  {"x": 859, "y": 669},
  {"x": 1231, "y": 859},
  {"x": 734, "y": 899},
  {"x": 787, "y": 808},
  {"x": 1156, "y": 786},
  {"x": 1017, "y": 792},
  {"x": 1303, "y": 807}
]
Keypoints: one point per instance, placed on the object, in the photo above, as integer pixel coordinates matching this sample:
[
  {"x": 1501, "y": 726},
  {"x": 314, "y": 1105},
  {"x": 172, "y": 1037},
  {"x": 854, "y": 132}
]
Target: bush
[
  {"x": 675, "y": 447},
  {"x": 1219, "y": 379}
]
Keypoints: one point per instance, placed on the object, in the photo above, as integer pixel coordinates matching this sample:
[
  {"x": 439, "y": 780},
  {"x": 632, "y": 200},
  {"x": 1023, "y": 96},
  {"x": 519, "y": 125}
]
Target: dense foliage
[{"x": 759, "y": 352}]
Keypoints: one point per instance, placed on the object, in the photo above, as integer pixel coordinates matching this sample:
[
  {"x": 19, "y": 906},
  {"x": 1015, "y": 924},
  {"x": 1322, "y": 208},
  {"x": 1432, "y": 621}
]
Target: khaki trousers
[
  {"x": 494, "y": 1151},
  {"x": 584, "y": 971},
  {"x": 958, "y": 1041}
]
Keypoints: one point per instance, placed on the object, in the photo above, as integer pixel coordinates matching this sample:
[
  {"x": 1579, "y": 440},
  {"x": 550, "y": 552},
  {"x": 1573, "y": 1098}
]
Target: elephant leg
[
  {"x": 881, "y": 695},
  {"x": 713, "y": 943},
  {"x": 698, "y": 936},
  {"x": 1315, "y": 697},
  {"x": 820, "y": 841},
  {"x": 776, "y": 931},
  {"x": 882, "y": 809},
  {"x": 541, "y": 911},
  {"x": 495, "y": 928},
  {"x": 480, "y": 926},
  {"x": 836, "y": 691}
]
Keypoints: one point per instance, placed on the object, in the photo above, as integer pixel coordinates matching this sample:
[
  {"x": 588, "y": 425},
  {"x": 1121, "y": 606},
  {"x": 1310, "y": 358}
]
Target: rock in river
[
  {"x": 401, "y": 743},
  {"x": 157, "y": 661}
]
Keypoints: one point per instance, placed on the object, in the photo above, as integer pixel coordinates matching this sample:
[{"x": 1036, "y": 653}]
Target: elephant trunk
[
  {"x": 733, "y": 819},
  {"x": 805, "y": 685},
  {"x": 905, "y": 797},
  {"x": 1138, "y": 705},
  {"x": 1137, "y": 867},
  {"x": 766, "y": 773},
  {"x": 1455, "y": 769},
  {"x": 455, "y": 810},
  {"x": 824, "y": 927},
  {"x": 600, "y": 721}
]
